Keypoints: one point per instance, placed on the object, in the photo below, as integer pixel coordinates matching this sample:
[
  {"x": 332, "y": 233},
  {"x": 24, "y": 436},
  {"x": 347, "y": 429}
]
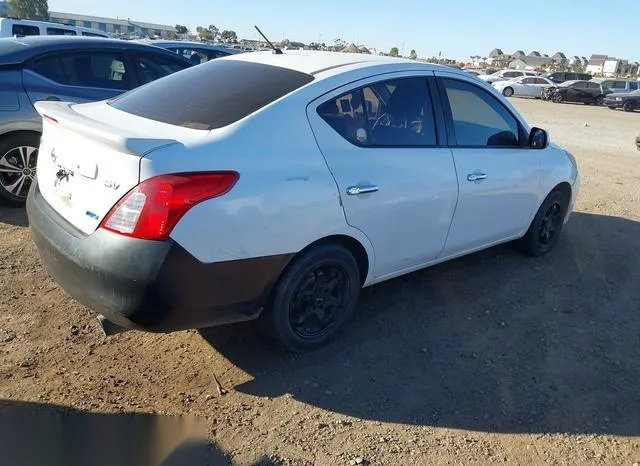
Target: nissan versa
[{"x": 277, "y": 185}]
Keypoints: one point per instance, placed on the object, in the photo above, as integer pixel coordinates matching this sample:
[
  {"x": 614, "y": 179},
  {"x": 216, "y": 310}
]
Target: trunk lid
[{"x": 90, "y": 157}]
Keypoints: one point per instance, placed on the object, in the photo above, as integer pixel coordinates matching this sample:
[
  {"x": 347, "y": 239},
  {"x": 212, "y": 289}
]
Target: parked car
[
  {"x": 173, "y": 206},
  {"x": 74, "y": 69},
  {"x": 529, "y": 86},
  {"x": 505, "y": 75},
  {"x": 18, "y": 27},
  {"x": 196, "y": 52},
  {"x": 559, "y": 77},
  {"x": 618, "y": 86},
  {"x": 586, "y": 92},
  {"x": 629, "y": 102}
]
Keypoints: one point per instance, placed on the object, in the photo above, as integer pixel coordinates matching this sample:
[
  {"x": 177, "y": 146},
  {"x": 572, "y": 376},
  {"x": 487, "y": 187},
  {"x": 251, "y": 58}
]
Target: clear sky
[{"x": 457, "y": 28}]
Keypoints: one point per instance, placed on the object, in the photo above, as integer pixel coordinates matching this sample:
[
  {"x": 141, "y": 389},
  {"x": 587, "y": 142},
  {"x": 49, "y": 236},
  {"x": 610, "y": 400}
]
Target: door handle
[
  {"x": 362, "y": 189},
  {"x": 476, "y": 176},
  {"x": 52, "y": 98}
]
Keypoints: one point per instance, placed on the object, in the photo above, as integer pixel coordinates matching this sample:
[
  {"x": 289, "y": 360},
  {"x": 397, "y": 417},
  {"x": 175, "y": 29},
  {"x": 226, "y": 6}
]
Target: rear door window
[
  {"x": 23, "y": 30},
  {"x": 396, "y": 113},
  {"x": 100, "y": 69},
  {"x": 152, "y": 66},
  {"x": 212, "y": 95}
]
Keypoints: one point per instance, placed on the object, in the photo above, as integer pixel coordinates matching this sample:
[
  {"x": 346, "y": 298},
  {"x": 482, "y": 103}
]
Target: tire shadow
[{"x": 493, "y": 342}]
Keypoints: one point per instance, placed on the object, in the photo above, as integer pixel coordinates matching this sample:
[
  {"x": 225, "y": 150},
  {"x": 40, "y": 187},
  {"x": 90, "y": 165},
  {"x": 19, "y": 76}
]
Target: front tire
[
  {"x": 313, "y": 299},
  {"x": 557, "y": 98},
  {"x": 18, "y": 157},
  {"x": 546, "y": 227},
  {"x": 507, "y": 91},
  {"x": 599, "y": 100},
  {"x": 629, "y": 106}
]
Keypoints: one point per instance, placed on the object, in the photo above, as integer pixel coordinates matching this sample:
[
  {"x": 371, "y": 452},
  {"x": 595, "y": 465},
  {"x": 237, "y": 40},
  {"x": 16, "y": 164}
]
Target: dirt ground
[{"x": 493, "y": 358}]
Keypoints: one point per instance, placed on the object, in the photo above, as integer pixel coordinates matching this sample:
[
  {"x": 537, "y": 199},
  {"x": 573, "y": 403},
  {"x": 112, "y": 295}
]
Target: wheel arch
[
  {"x": 354, "y": 246},
  {"x": 14, "y": 132}
]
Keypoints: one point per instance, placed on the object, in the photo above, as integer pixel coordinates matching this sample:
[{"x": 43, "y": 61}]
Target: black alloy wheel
[
  {"x": 545, "y": 229},
  {"x": 313, "y": 299}
]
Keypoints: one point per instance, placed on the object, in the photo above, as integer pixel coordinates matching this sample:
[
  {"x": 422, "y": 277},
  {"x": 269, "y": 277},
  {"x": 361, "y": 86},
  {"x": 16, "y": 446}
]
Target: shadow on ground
[
  {"x": 12, "y": 215},
  {"x": 493, "y": 342},
  {"x": 38, "y": 434}
]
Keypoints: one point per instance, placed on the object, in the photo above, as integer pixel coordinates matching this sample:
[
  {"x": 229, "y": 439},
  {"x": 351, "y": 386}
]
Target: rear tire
[
  {"x": 18, "y": 157},
  {"x": 313, "y": 299},
  {"x": 546, "y": 226},
  {"x": 507, "y": 91},
  {"x": 629, "y": 106},
  {"x": 599, "y": 100}
]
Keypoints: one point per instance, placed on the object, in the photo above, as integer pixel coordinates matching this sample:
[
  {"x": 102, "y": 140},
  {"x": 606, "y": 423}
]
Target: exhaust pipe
[{"x": 108, "y": 327}]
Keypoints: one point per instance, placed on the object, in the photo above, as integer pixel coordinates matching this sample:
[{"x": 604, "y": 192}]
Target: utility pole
[{"x": 402, "y": 53}]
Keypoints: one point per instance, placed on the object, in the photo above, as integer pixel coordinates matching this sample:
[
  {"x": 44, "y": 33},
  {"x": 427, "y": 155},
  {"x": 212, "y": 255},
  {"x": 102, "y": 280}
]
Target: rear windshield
[{"x": 211, "y": 95}]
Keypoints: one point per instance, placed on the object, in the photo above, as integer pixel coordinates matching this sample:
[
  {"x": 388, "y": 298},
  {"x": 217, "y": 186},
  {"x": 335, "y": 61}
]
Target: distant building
[
  {"x": 576, "y": 61},
  {"x": 595, "y": 65},
  {"x": 529, "y": 63},
  {"x": 518, "y": 54},
  {"x": 535, "y": 53},
  {"x": 112, "y": 25}
]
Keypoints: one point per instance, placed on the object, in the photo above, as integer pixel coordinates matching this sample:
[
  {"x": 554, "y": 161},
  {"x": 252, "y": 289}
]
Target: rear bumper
[{"x": 149, "y": 285}]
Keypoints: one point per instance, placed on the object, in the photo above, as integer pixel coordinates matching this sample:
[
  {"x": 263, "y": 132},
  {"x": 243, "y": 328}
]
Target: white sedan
[
  {"x": 277, "y": 185},
  {"x": 505, "y": 75},
  {"x": 530, "y": 86}
]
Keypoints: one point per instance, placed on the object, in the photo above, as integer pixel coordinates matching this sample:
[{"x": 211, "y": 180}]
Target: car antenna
[{"x": 276, "y": 50}]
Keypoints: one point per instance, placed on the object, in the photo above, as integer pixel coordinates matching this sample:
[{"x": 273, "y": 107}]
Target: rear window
[{"x": 212, "y": 95}]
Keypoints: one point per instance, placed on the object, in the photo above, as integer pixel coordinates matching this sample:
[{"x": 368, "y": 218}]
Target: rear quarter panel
[
  {"x": 285, "y": 199},
  {"x": 16, "y": 111}
]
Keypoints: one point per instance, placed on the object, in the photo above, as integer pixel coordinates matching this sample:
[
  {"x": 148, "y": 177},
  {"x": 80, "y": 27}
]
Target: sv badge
[{"x": 111, "y": 184}]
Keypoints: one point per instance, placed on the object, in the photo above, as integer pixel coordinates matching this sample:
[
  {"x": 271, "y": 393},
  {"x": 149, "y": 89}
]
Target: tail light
[{"x": 154, "y": 207}]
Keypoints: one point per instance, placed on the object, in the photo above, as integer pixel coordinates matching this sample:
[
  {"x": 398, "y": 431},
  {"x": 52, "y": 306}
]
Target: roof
[
  {"x": 18, "y": 50},
  {"x": 102, "y": 19},
  {"x": 315, "y": 62},
  {"x": 597, "y": 60},
  {"x": 559, "y": 56},
  {"x": 534, "y": 61},
  {"x": 534, "y": 53},
  {"x": 495, "y": 53}
]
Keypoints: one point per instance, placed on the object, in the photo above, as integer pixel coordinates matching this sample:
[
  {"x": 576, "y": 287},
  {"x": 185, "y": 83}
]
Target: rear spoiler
[{"x": 62, "y": 114}]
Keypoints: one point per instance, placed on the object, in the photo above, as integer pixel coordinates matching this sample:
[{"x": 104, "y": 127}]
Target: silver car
[{"x": 69, "y": 69}]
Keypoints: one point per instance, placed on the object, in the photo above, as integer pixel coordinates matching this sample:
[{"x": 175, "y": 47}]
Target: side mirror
[{"x": 538, "y": 138}]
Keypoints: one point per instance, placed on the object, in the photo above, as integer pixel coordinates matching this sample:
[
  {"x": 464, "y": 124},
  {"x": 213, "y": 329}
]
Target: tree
[
  {"x": 180, "y": 29},
  {"x": 413, "y": 55},
  {"x": 394, "y": 52},
  {"x": 172, "y": 35},
  {"x": 204, "y": 33},
  {"x": 228, "y": 36},
  {"x": 214, "y": 31},
  {"x": 29, "y": 9}
]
